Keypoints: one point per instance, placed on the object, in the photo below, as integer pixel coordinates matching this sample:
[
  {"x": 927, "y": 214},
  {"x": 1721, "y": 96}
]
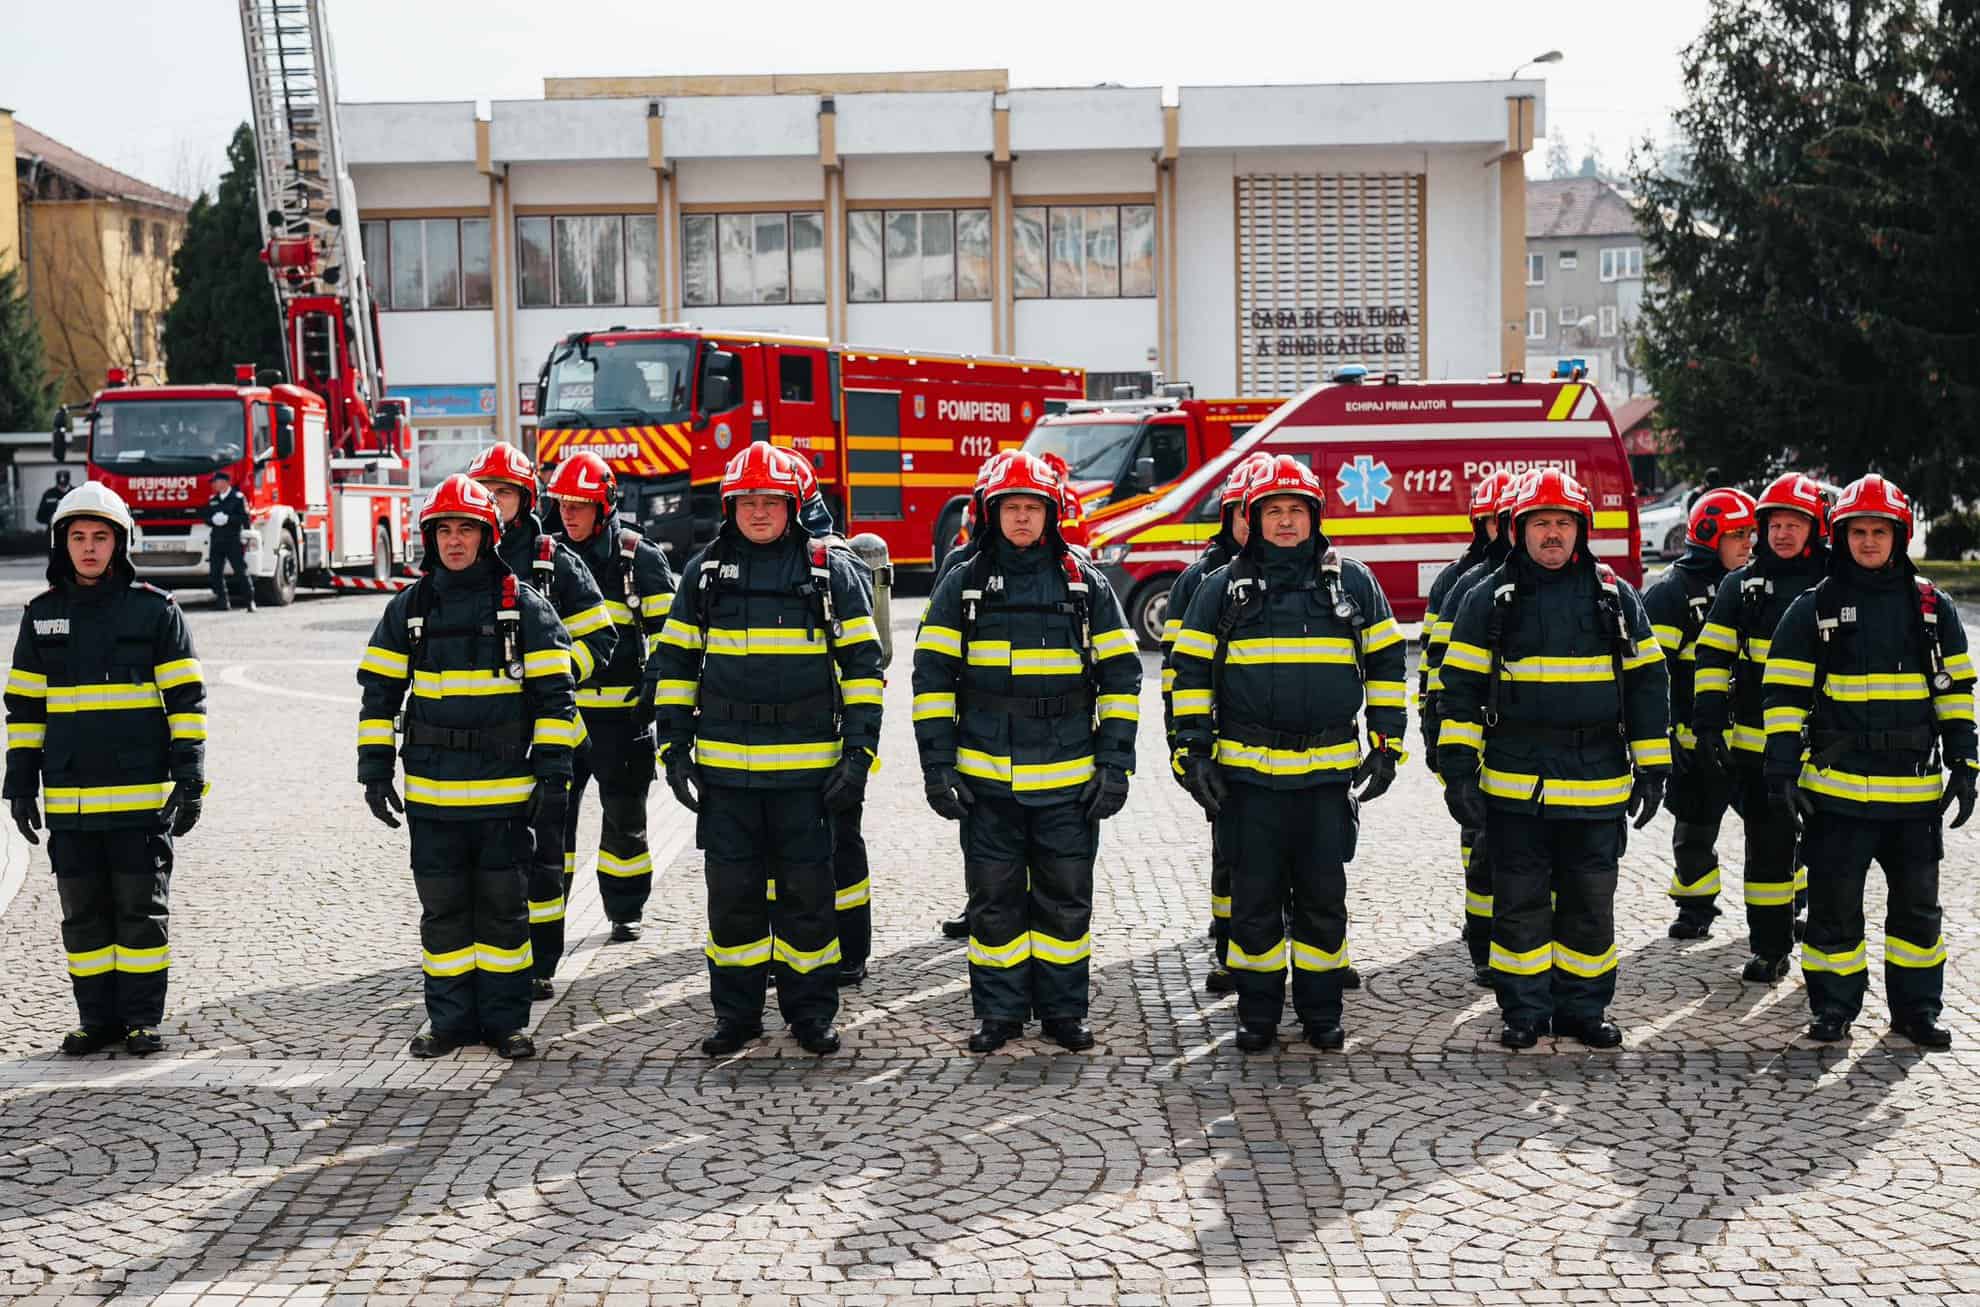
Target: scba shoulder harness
[
  {"x": 507, "y": 742},
  {"x": 816, "y": 590},
  {"x": 1610, "y": 619},
  {"x": 1835, "y": 620},
  {"x": 1245, "y": 586},
  {"x": 983, "y": 587}
]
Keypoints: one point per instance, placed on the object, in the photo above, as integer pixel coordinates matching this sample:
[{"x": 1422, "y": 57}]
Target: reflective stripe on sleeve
[
  {"x": 180, "y": 671},
  {"x": 382, "y": 662}
]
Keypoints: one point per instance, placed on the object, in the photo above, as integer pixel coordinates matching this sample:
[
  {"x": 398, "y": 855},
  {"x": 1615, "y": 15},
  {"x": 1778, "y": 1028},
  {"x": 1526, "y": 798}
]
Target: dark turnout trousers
[
  {"x": 623, "y": 768},
  {"x": 1697, "y": 805},
  {"x": 1030, "y": 876},
  {"x": 1289, "y": 845},
  {"x": 474, "y": 923},
  {"x": 1553, "y": 915},
  {"x": 750, "y": 839},
  {"x": 1834, "y": 955},
  {"x": 853, "y": 887},
  {"x": 114, "y": 886}
]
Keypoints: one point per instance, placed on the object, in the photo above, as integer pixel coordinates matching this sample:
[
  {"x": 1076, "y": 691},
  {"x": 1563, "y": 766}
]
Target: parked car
[{"x": 1661, "y": 522}]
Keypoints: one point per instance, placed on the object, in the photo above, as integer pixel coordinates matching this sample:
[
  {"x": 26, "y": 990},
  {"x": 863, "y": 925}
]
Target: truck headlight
[{"x": 1113, "y": 555}]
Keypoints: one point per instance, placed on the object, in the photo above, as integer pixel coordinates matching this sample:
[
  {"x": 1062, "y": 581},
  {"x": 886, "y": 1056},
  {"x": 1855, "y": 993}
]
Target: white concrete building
[{"x": 1249, "y": 239}]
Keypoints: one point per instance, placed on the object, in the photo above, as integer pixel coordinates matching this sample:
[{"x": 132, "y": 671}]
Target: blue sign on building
[{"x": 469, "y": 401}]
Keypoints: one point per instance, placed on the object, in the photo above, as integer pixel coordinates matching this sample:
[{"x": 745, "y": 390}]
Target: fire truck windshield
[
  {"x": 646, "y": 377},
  {"x": 1094, "y": 451},
  {"x": 176, "y": 434}
]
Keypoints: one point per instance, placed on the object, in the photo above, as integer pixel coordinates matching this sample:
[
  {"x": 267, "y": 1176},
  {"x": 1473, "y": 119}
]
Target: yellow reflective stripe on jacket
[
  {"x": 1467, "y": 658},
  {"x": 180, "y": 671},
  {"x": 1453, "y": 732},
  {"x": 582, "y": 663},
  {"x": 675, "y": 694},
  {"x": 382, "y": 662},
  {"x": 1025, "y": 777},
  {"x": 1954, "y": 707},
  {"x": 1904, "y": 953},
  {"x": 1542, "y": 668},
  {"x": 861, "y": 690},
  {"x": 113, "y": 697},
  {"x": 1651, "y": 753},
  {"x": 617, "y": 613},
  {"x": 1279, "y": 649},
  {"x": 1757, "y": 651},
  {"x": 587, "y": 620},
  {"x": 1041, "y": 662},
  {"x": 78, "y": 800},
  {"x": 1064, "y": 952},
  {"x": 613, "y": 696},
  {"x": 1960, "y": 666},
  {"x": 1717, "y": 635},
  {"x": 1837, "y": 784},
  {"x": 187, "y": 725},
  {"x": 1642, "y": 656},
  {"x": 1171, "y": 629},
  {"x": 1669, "y": 636},
  {"x": 1876, "y": 685},
  {"x": 1287, "y": 762},
  {"x": 1117, "y": 643},
  {"x": 1530, "y": 962},
  {"x": 939, "y": 639},
  {"x": 1556, "y": 791},
  {"x": 547, "y": 662},
  {"x": 1272, "y": 958},
  {"x": 753, "y": 954},
  {"x": 805, "y": 961},
  {"x": 554, "y": 730},
  {"x": 1000, "y": 955},
  {"x": 1197, "y": 644},
  {"x": 1791, "y": 672},
  {"x": 1386, "y": 694},
  {"x": 1118, "y": 707},
  {"x": 1846, "y": 963},
  {"x": 682, "y": 635},
  {"x": 1712, "y": 679},
  {"x": 858, "y": 630},
  {"x": 440, "y": 685},
  {"x": 1588, "y": 965},
  {"x": 656, "y": 605},
  {"x": 1380, "y": 636},
  {"x": 1190, "y": 703},
  {"x": 934, "y": 707},
  {"x": 29, "y": 685},
  {"x": 375, "y": 730},
  {"x": 766, "y": 757},
  {"x": 1309, "y": 957},
  {"x": 1785, "y": 720},
  {"x": 436, "y": 793},
  {"x": 26, "y": 735},
  {"x": 737, "y": 641}
]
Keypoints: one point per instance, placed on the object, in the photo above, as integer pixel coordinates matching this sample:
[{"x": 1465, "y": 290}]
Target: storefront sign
[{"x": 471, "y": 401}]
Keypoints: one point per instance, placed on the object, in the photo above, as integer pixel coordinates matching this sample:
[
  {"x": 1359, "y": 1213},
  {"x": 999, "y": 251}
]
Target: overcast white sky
[{"x": 156, "y": 86}]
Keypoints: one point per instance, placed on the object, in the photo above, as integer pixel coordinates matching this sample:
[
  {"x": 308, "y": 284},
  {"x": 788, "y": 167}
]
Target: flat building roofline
[{"x": 633, "y": 87}]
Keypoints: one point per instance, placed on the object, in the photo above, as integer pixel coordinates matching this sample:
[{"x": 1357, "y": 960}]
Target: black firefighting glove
[
  {"x": 27, "y": 817},
  {"x": 1104, "y": 793},
  {"x": 1464, "y": 800},
  {"x": 1716, "y": 754},
  {"x": 1682, "y": 759},
  {"x": 180, "y": 811},
  {"x": 1645, "y": 797},
  {"x": 384, "y": 801},
  {"x": 1960, "y": 787},
  {"x": 643, "y": 718},
  {"x": 1431, "y": 718},
  {"x": 845, "y": 784},
  {"x": 1378, "y": 770},
  {"x": 947, "y": 794},
  {"x": 1204, "y": 780},
  {"x": 682, "y": 778},
  {"x": 1785, "y": 797},
  {"x": 548, "y": 803}
]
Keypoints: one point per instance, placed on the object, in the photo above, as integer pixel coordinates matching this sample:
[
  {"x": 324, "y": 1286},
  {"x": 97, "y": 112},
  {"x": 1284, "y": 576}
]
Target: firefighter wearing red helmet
[
  {"x": 1790, "y": 555},
  {"x": 1072, "y": 513},
  {"x": 1233, "y": 529},
  {"x": 1474, "y": 856},
  {"x": 1869, "y": 693},
  {"x": 1484, "y": 515},
  {"x": 487, "y": 737},
  {"x": 638, "y": 592},
  {"x": 1555, "y": 708},
  {"x": 1718, "y": 540},
  {"x": 767, "y": 681},
  {"x": 1280, "y": 653},
  {"x": 1026, "y": 683},
  {"x": 539, "y": 560},
  {"x": 106, "y": 725}
]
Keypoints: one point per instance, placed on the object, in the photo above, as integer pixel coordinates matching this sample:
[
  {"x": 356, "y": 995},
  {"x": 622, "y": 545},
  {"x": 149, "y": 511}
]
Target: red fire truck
[
  {"x": 896, "y": 437},
  {"x": 1400, "y": 458},
  {"x": 1121, "y": 451},
  {"x": 319, "y": 459}
]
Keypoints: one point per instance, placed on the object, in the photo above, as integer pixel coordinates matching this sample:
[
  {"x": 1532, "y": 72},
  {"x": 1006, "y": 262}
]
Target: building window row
[
  {"x": 1622, "y": 264},
  {"x": 428, "y": 263}
]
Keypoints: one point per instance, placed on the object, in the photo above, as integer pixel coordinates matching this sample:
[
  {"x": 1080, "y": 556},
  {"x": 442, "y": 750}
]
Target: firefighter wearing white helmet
[{"x": 106, "y": 724}]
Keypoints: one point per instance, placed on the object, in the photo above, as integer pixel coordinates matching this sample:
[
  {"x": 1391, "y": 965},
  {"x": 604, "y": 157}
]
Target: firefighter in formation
[
  {"x": 615, "y": 716},
  {"x": 1278, "y": 655},
  {"x": 106, "y": 731},
  {"x": 488, "y": 733},
  {"x": 1729, "y": 720},
  {"x": 1718, "y": 539},
  {"x": 557, "y": 574},
  {"x": 1868, "y": 705},
  {"x": 766, "y": 681},
  {"x": 1026, "y": 683},
  {"x": 1554, "y": 717}
]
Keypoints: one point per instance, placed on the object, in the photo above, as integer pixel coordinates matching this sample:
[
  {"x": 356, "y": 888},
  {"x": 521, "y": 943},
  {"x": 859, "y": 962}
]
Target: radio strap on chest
[
  {"x": 1610, "y": 620},
  {"x": 816, "y": 593},
  {"x": 543, "y": 568},
  {"x": 978, "y": 581},
  {"x": 1698, "y": 597},
  {"x": 629, "y": 581}
]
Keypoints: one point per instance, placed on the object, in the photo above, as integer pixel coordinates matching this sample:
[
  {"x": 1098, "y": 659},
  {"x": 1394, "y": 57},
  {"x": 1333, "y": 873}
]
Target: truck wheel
[
  {"x": 1674, "y": 540},
  {"x": 381, "y": 554},
  {"x": 945, "y": 531},
  {"x": 279, "y": 590},
  {"x": 1149, "y": 610}
]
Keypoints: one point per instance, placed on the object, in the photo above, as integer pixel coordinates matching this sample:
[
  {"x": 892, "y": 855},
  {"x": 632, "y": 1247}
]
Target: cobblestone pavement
[{"x": 286, "y": 1148}]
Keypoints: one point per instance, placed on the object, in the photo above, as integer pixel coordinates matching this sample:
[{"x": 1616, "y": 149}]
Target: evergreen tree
[
  {"x": 225, "y": 311},
  {"x": 27, "y": 393}
]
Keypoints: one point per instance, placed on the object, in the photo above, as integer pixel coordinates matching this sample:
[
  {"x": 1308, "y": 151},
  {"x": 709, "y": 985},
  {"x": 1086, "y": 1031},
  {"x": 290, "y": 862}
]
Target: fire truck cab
[
  {"x": 1125, "y": 450},
  {"x": 1399, "y": 458},
  {"x": 895, "y": 436}
]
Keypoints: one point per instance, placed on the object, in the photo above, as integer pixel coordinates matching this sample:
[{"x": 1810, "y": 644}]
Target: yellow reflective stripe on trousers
[
  {"x": 753, "y": 954},
  {"x": 29, "y": 685},
  {"x": 934, "y": 707},
  {"x": 458, "y": 962},
  {"x": 1846, "y": 963},
  {"x": 26, "y": 735},
  {"x": 1769, "y": 893},
  {"x": 1904, "y": 953},
  {"x": 1529, "y": 963},
  {"x": 1870, "y": 789},
  {"x": 723, "y": 755},
  {"x": 639, "y": 864},
  {"x": 143, "y": 961},
  {"x": 73, "y": 800},
  {"x": 180, "y": 671},
  {"x": 856, "y": 895},
  {"x": 436, "y": 793},
  {"x": 999, "y": 955},
  {"x": 103, "y": 698},
  {"x": 1064, "y": 952},
  {"x": 1307, "y": 957},
  {"x": 1024, "y": 777},
  {"x": 507, "y": 961},
  {"x": 1586, "y": 965},
  {"x": 93, "y": 962},
  {"x": 441, "y": 685},
  {"x": 1705, "y": 886},
  {"x": 1477, "y": 905},
  {"x": 546, "y": 910},
  {"x": 806, "y": 961},
  {"x": 1271, "y": 959}
]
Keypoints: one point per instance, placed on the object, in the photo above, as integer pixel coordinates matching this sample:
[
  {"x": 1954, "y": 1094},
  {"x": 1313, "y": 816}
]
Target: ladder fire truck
[
  {"x": 318, "y": 456},
  {"x": 895, "y": 436}
]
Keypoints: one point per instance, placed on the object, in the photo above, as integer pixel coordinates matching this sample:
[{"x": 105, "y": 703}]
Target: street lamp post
[{"x": 1550, "y": 57}]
